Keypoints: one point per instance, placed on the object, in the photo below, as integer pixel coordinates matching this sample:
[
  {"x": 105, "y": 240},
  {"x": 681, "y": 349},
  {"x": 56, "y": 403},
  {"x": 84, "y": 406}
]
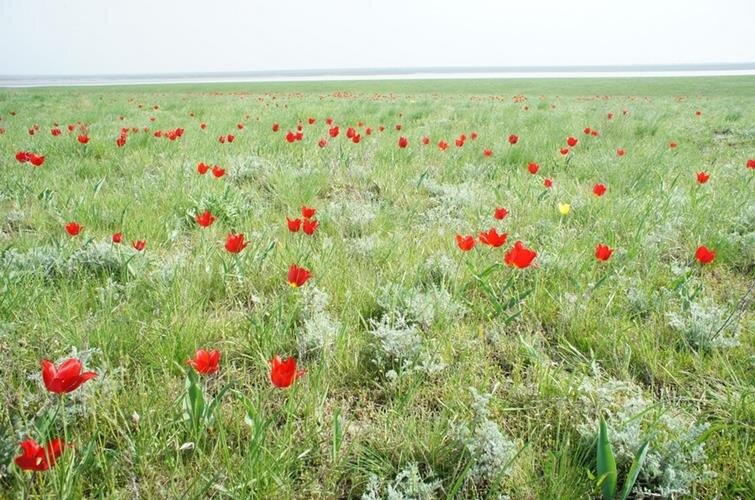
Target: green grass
[{"x": 564, "y": 342}]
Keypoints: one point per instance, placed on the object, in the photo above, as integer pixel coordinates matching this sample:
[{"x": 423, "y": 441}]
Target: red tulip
[
  {"x": 513, "y": 139},
  {"x": 594, "y": 133},
  {"x": 533, "y": 168},
  {"x": 307, "y": 212},
  {"x": 519, "y": 256},
  {"x": 276, "y": 127},
  {"x": 571, "y": 141},
  {"x": 465, "y": 243},
  {"x": 425, "y": 140},
  {"x": 203, "y": 125},
  {"x": 218, "y": 172},
  {"x": 205, "y": 362},
  {"x": 564, "y": 151},
  {"x": 603, "y": 252},
  {"x": 293, "y": 225},
  {"x": 493, "y": 239},
  {"x": 311, "y": 121},
  {"x": 117, "y": 237},
  {"x": 751, "y": 164},
  {"x": 459, "y": 142},
  {"x": 290, "y": 137},
  {"x": 22, "y": 156},
  {"x": 368, "y": 131},
  {"x": 297, "y": 276},
  {"x": 548, "y": 183},
  {"x": 235, "y": 243},
  {"x": 323, "y": 142},
  {"x": 299, "y": 136},
  {"x": 398, "y": 126},
  {"x": 620, "y": 152},
  {"x": 473, "y": 136},
  {"x": 139, "y": 245},
  {"x": 500, "y": 213},
  {"x": 55, "y": 132},
  {"x": 599, "y": 189},
  {"x": 240, "y": 126},
  {"x": 442, "y": 145},
  {"x": 205, "y": 219},
  {"x": 356, "y": 138},
  {"x": 83, "y": 139},
  {"x": 334, "y": 131},
  {"x": 698, "y": 113},
  {"x": 202, "y": 168},
  {"x": 35, "y": 160},
  {"x": 73, "y": 228},
  {"x": 702, "y": 177},
  {"x": 704, "y": 255},
  {"x": 65, "y": 378},
  {"x": 37, "y": 458},
  {"x": 283, "y": 373},
  {"x": 487, "y": 152},
  {"x": 672, "y": 145},
  {"x": 403, "y": 142},
  {"x": 310, "y": 225},
  {"x": 587, "y": 130}
]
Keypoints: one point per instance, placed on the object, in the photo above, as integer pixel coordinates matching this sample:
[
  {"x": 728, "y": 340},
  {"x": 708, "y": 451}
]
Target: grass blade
[{"x": 634, "y": 470}]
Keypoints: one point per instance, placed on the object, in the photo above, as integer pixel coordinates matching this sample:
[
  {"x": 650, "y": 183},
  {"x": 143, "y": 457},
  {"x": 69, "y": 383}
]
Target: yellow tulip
[{"x": 564, "y": 208}]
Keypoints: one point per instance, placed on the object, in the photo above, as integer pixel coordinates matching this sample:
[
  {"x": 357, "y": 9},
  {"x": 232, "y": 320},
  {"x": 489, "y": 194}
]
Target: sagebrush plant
[
  {"x": 399, "y": 347},
  {"x": 490, "y": 451},
  {"x": 396, "y": 321},
  {"x": 319, "y": 328},
  {"x": 704, "y": 325},
  {"x": 676, "y": 457},
  {"x": 408, "y": 484}
]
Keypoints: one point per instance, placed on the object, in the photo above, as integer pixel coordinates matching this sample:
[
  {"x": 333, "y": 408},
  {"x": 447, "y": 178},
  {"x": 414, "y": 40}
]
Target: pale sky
[{"x": 80, "y": 37}]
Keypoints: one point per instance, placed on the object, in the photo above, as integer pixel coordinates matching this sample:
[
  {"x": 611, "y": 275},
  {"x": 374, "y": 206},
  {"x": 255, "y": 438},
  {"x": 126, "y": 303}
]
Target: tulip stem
[{"x": 62, "y": 411}]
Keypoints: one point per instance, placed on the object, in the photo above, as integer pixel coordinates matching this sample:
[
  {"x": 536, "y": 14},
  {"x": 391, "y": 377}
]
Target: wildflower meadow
[{"x": 390, "y": 289}]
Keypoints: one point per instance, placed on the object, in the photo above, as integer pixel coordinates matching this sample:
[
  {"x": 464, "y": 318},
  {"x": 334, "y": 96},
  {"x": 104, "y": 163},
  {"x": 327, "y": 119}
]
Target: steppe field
[{"x": 387, "y": 289}]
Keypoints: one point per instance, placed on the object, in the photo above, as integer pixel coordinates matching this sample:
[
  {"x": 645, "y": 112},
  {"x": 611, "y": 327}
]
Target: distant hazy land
[{"x": 427, "y": 73}]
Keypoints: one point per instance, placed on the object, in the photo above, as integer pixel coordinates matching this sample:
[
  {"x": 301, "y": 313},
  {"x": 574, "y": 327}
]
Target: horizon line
[
  {"x": 578, "y": 68},
  {"x": 385, "y": 74}
]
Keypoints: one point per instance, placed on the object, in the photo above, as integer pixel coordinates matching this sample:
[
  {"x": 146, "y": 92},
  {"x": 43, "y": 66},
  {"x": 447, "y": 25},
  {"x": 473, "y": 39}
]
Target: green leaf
[
  {"x": 422, "y": 178},
  {"x": 337, "y": 434},
  {"x": 634, "y": 470},
  {"x": 517, "y": 299},
  {"x": 98, "y": 185},
  {"x": 194, "y": 405},
  {"x": 606, "y": 463},
  {"x": 214, "y": 403}
]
